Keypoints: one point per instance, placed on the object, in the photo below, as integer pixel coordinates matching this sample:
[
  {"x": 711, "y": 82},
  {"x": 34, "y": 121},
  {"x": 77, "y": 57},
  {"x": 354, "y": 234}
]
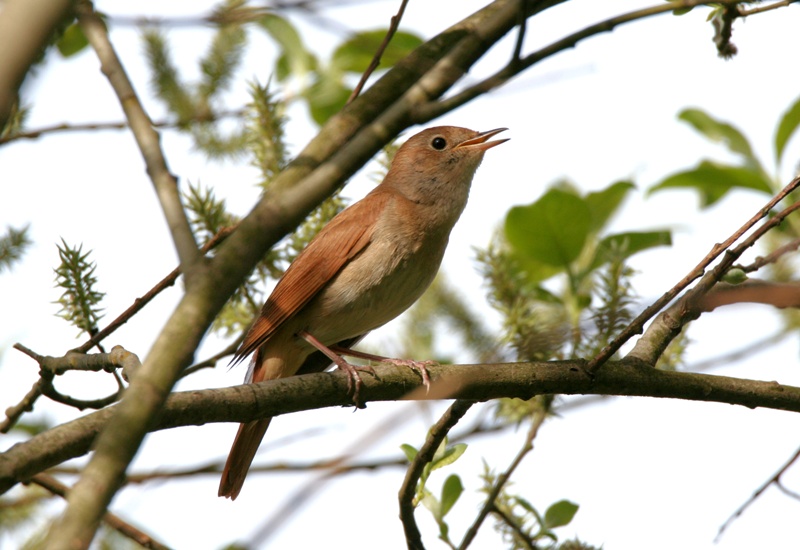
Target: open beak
[{"x": 480, "y": 141}]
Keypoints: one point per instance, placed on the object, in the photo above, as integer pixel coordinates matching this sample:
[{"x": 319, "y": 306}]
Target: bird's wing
[{"x": 342, "y": 239}]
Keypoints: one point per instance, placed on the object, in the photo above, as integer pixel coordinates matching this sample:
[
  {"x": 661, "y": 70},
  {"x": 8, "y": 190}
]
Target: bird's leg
[
  {"x": 419, "y": 366},
  {"x": 353, "y": 378}
]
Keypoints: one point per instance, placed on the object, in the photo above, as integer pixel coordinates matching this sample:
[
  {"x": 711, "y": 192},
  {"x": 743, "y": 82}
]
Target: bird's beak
[{"x": 480, "y": 141}]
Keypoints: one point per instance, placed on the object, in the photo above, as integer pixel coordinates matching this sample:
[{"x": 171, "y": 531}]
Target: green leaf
[
  {"x": 326, "y": 97},
  {"x": 409, "y": 451},
  {"x": 680, "y": 11},
  {"x": 721, "y": 132},
  {"x": 450, "y": 455},
  {"x": 786, "y": 127},
  {"x": 559, "y": 514},
  {"x": 604, "y": 204},
  {"x": 356, "y": 53},
  {"x": 713, "y": 180},
  {"x": 624, "y": 245},
  {"x": 295, "y": 60},
  {"x": 429, "y": 501},
  {"x": 451, "y": 491},
  {"x": 72, "y": 41},
  {"x": 552, "y": 230}
]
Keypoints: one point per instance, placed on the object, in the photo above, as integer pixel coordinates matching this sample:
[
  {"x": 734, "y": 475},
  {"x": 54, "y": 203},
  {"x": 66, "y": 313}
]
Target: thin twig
[
  {"x": 118, "y": 125},
  {"x": 139, "y": 303},
  {"x": 537, "y": 421},
  {"x": 408, "y": 489},
  {"x": 436, "y": 108},
  {"x": 147, "y": 138},
  {"x": 768, "y": 7},
  {"x": 522, "y": 536},
  {"x": 772, "y": 257},
  {"x": 635, "y": 327},
  {"x": 774, "y": 479},
  {"x": 14, "y": 412},
  {"x": 113, "y": 521},
  {"x": 376, "y": 59}
]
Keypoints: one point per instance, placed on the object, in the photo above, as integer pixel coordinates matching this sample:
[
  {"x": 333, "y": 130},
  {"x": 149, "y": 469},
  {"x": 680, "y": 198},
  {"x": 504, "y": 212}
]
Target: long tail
[{"x": 242, "y": 453}]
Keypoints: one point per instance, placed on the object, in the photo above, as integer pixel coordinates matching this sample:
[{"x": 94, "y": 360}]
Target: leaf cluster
[{"x": 80, "y": 300}]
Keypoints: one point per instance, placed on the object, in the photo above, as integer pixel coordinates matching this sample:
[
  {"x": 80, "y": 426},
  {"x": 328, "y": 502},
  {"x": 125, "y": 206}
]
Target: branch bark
[
  {"x": 482, "y": 382},
  {"x": 25, "y": 27}
]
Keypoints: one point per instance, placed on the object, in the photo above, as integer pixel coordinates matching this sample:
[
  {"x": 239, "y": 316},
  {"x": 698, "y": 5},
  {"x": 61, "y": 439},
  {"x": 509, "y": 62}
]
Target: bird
[{"x": 370, "y": 263}]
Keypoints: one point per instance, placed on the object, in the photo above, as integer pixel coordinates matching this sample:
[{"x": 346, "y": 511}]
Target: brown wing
[{"x": 343, "y": 238}]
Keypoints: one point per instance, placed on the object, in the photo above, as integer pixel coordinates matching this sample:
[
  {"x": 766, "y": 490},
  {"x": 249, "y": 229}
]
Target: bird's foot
[
  {"x": 354, "y": 380},
  {"x": 419, "y": 366}
]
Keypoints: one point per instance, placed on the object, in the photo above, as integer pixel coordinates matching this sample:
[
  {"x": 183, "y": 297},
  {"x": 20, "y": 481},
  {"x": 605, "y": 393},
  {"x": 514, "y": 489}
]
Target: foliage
[
  {"x": 12, "y": 246},
  {"x": 561, "y": 236},
  {"x": 451, "y": 488},
  {"x": 80, "y": 299},
  {"x": 520, "y": 523}
]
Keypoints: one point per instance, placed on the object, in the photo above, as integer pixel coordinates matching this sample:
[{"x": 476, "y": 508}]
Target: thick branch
[
  {"x": 25, "y": 27},
  {"x": 476, "y": 382}
]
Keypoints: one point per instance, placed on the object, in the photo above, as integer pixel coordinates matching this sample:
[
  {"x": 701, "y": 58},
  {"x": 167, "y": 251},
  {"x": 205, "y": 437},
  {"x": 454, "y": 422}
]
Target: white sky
[{"x": 647, "y": 473}]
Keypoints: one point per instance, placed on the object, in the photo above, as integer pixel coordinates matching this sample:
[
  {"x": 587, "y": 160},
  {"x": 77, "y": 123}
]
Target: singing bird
[{"x": 364, "y": 268}]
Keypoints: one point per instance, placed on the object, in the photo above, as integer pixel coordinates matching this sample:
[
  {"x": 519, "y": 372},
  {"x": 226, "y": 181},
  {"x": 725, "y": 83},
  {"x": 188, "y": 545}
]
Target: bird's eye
[{"x": 439, "y": 143}]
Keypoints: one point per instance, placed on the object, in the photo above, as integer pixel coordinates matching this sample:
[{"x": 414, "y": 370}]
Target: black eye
[{"x": 439, "y": 143}]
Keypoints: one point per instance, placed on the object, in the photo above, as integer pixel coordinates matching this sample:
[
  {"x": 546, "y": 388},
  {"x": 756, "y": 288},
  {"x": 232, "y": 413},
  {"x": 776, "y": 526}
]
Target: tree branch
[
  {"x": 517, "y": 65},
  {"x": 249, "y": 402},
  {"x": 147, "y": 138},
  {"x": 113, "y": 521},
  {"x": 25, "y": 28},
  {"x": 408, "y": 489},
  {"x": 536, "y": 422},
  {"x": 651, "y": 350},
  {"x": 342, "y": 146}
]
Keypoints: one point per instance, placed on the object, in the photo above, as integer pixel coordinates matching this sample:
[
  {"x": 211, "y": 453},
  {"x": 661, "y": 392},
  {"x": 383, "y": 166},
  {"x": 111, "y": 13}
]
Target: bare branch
[
  {"x": 376, "y": 59},
  {"x": 635, "y": 327},
  {"x": 775, "y": 479},
  {"x": 25, "y": 27},
  {"x": 111, "y": 520},
  {"x": 536, "y": 422},
  {"x": 689, "y": 307},
  {"x": 36, "y": 133},
  {"x": 147, "y": 138},
  {"x": 517, "y": 65},
  {"x": 436, "y": 435},
  {"x": 249, "y": 402}
]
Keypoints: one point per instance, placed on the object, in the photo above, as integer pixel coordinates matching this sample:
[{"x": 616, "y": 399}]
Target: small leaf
[
  {"x": 713, "y": 180},
  {"x": 786, "y": 128},
  {"x": 451, "y": 490},
  {"x": 624, "y": 245},
  {"x": 450, "y": 455},
  {"x": 409, "y": 451},
  {"x": 326, "y": 97},
  {"x": 72, "y": 41},
  {"x": 552, "y": 230},
  {"x": 719, "y": 131},
  {"x": 559, "y": 514},
  {"x": 604, "y": 204},
  {"x": 429, "y": 501},
  {"x": 680, "y": 11},
  {"x": 295, "y": 59},
  {"x": 355, "y": 54},
  {"x": 735, "y": 276}
]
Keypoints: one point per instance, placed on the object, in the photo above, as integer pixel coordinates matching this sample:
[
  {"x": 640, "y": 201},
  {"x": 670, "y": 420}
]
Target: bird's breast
[{"x": 376, "y": 286}]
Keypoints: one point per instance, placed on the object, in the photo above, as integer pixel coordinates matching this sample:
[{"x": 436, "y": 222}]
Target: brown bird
[{"x": 363, "y": 269}]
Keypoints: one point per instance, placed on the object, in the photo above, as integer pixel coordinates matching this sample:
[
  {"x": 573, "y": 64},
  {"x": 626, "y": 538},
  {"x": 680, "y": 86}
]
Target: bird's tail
[{"x": 241, "y": 456}]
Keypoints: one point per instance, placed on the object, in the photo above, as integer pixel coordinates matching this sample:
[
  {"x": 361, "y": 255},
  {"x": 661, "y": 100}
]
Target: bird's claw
[
  {"x": 354, "y": 382},
  {"x": 419, "y": 366}
]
